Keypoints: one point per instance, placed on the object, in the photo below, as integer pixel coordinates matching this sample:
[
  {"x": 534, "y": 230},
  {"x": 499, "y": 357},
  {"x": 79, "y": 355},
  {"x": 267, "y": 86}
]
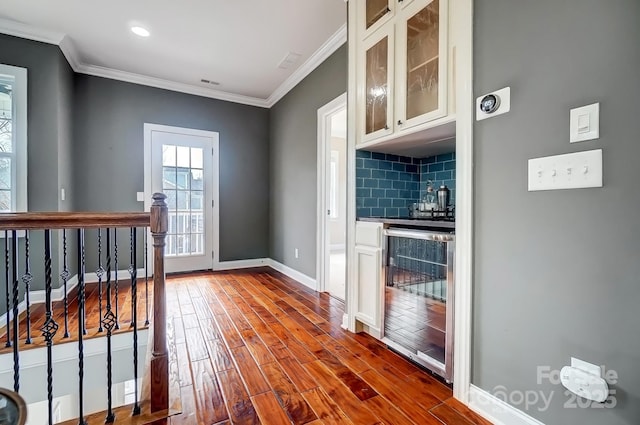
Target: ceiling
[{"x": 237, "y": 43}]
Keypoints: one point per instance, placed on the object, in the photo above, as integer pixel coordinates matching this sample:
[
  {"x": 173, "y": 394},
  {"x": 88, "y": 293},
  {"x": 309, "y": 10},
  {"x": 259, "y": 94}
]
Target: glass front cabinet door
[
  {"x": 421, "y": 64},
  {"x": 374, "y": 14},
  {"x": 377, "y": 90}
]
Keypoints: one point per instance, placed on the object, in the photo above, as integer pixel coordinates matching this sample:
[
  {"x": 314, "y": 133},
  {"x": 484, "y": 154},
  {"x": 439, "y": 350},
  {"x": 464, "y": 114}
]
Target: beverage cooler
[{"x": 419, "y": 294}]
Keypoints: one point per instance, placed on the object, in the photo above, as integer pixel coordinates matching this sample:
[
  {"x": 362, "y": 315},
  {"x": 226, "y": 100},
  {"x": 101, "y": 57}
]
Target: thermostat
[{"x": 493, "y": 104}]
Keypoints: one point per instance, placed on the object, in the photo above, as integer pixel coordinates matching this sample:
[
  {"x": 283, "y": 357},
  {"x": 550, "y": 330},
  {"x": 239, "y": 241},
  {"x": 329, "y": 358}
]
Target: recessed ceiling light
[{"x": 142, "y": 32}]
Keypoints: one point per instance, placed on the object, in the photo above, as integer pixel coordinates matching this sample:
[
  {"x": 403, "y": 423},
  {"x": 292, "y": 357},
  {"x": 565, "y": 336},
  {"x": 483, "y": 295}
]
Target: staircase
[{"x": 99, "y": 348}]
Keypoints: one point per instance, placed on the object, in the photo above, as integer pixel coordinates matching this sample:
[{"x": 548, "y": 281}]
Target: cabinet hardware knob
[
  {"x": 386, "y": 127},
  {"x": 399, "y": 122},
  {"x": 388, "y": 10}
]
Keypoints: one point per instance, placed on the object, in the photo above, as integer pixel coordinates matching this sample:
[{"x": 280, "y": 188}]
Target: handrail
[
  {"x": 18, "y": 276},
  {"x": 73, "y": 220}
]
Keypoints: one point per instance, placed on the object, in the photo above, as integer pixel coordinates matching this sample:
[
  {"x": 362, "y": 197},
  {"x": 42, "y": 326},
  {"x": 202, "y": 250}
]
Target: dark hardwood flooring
[{"x": 255, "y": 347}]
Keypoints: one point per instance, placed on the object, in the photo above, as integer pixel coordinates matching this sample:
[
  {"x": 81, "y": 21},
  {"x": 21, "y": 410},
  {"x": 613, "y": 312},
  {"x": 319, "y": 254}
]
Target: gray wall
[
  {"x": 293, "y": 178},
  {"x": 556, "y": 273},
  {"x": 49, "y": 97},
  {"x": 109, "y": 148}
]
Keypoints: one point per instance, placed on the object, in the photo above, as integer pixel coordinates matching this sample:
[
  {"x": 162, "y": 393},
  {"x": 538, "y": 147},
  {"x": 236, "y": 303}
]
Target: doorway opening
[{"x": 332, "y": 197}]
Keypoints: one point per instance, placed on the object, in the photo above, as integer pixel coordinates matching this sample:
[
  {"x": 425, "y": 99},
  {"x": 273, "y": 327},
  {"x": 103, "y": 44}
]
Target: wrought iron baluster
[
  {"x": 81, "y": 323},
  {"x": 16, "y": 318},
  {"x": 133, "y": 271},
  {"x": 109, "y": 322},
  {"x": 26, "y": 279},
  {"x": 50, "y": 327},
  {"x": 64, "y": 275},
  {"x": 146, "y": 279},
  {"x": 115, "y": 258},
  {"x": 99, "y": 274},
  {"x": 7, "y": 269}
]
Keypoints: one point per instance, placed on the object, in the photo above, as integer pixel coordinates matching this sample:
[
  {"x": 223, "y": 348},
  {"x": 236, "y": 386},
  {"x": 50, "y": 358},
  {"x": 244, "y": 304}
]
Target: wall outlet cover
[{"x": 140, "y": 196}]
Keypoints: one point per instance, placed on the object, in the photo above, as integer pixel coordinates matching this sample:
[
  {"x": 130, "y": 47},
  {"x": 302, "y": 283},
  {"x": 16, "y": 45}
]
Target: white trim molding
[
  {"x": 242, "y": 264},
  {"x": 327, "y": 49},
  {"x": 293, "y": 274},
  {"x": 497, "y": 411},
  {"x": 323, "y": 143},
  {"x": 67, "y": 47},
  {"x": 463, "y": 301}
]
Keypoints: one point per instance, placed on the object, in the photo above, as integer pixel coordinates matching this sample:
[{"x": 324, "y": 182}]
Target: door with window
[{"x": 184, "y": 166}]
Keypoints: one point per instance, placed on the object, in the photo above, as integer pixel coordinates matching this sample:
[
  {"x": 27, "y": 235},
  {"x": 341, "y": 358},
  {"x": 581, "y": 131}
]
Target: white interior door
[{"x": 184, "y": 166}]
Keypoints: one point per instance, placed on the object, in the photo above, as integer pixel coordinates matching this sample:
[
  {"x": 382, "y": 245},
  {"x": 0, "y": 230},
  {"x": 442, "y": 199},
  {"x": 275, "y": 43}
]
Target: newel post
[{"x": 159, "y": 358}]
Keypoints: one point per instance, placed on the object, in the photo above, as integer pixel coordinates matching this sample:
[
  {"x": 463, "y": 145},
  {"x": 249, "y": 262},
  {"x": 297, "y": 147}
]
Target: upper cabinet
[{"x": 402, "y": 69}]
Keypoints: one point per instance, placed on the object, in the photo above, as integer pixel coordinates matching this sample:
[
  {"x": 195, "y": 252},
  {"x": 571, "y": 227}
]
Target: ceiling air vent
[{"x": 289, "y": 60}]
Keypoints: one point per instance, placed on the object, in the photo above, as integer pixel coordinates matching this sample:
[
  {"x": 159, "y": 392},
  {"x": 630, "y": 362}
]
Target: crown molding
[
  {"x": 68, "y": 49},
  {"x": 327, "y": 49},
  {"x": 145, "y": 80},
  {"x": 18, "y": 29}
]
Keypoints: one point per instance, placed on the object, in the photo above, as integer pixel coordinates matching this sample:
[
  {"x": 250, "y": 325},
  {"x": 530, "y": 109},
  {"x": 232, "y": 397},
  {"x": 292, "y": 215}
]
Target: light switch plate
[
  {"x": 140, "y": 196},
  {"x": 570, "y": 171},
  {"x": 584, "y": 123}
]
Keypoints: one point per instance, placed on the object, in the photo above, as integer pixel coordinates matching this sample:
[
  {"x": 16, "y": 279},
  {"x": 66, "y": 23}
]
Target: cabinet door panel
[
  {"x": 377, "y": 90},
  {"x": 369, "y": 271},
  {"x": 422, "y": 59},
  {"x": 375, "y": 10},
  {"x": 373, "y": 14}
]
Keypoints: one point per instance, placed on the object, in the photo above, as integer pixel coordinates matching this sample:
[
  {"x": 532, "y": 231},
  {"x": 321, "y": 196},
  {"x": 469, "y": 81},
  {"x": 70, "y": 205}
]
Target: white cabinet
[
  {"x": 368, "y": 268},
  {"x": 402, "y": 68}
]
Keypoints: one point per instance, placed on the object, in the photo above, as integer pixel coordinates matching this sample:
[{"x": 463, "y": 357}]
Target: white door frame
[
  {"x": 148, "y": 129},
  {"x": 324, "y": 125},
  {"x": 463, "y": 10}
]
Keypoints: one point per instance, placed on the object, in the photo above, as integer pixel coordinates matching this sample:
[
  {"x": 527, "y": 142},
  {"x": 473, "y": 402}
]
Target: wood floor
[
  {"x": 257, "y": 347},
  {"x": 92, "y": 321}
]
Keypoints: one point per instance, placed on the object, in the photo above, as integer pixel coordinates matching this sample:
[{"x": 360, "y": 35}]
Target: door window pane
[
  {"x": 197, "y": 180},
  {"x": 169, "y": 155},
  {"x": 196, "y": 158},
  {"x": 183, "y": 157},
  {"x": 183, "y": 183}
]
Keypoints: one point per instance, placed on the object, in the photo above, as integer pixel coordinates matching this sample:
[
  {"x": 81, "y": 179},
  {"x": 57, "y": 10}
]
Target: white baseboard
[
  {"x": 293, "y": 274},
  {"x": 345, "y": 322},
  {"x": 496, "y": 410},
  {"x": 242, "y": 264}
]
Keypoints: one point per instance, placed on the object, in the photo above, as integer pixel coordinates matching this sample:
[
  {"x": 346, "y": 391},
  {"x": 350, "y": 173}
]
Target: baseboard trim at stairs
[
  {"x": 496, "y": 410},
  {"x": 293, "y": 274}
]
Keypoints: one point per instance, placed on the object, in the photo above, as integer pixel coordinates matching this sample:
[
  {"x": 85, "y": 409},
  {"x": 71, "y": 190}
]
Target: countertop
[{"x": 414, "y": 222}]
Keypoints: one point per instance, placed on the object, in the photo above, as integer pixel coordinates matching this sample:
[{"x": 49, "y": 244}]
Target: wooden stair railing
[{"x": 12, "y": 225}]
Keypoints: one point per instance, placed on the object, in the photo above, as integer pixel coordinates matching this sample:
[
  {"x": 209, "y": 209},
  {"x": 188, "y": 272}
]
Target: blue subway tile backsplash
[{"x": 387, "y": 184}]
